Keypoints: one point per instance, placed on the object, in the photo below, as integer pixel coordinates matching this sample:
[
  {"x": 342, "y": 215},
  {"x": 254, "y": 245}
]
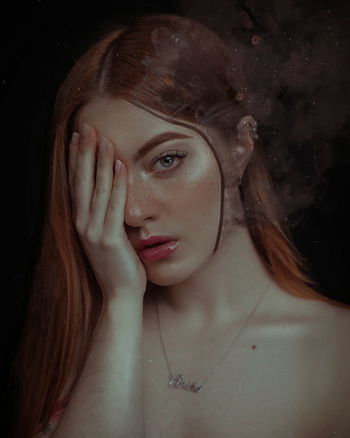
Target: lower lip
[{"x": 160, "y": 251}]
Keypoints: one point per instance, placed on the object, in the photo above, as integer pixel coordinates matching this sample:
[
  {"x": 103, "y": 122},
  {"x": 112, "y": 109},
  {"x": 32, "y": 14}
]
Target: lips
[
  {"x": 159, "y": 251},
  {"x": 153, "y": 241},
  {"x": 153, "y": 246}
]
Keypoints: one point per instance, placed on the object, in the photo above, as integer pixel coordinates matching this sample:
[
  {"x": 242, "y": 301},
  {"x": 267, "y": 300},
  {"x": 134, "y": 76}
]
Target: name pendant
[{"x": 180, "y": 383}]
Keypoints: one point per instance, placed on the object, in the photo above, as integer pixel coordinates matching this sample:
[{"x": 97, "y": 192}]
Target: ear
[{"x": 244, "y": 147}]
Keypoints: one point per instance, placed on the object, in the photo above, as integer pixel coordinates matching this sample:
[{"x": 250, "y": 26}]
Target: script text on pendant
[{"x": 180, "y": 383}]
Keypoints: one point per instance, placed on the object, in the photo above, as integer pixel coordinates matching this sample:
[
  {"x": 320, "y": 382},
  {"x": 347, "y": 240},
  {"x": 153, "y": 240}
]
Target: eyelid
[
  {"x": 171, "y": 152},
  {"x": 179, "y": 154}
]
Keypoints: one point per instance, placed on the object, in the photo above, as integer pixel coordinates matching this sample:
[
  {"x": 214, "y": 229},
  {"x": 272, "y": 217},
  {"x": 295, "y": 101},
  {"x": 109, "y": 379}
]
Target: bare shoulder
[
  {"x": 333, "y": 323},
  {"x": 326, "y": 326},
  {"x": 325, "y": 339},
  {"x": 327, "y": 320}
]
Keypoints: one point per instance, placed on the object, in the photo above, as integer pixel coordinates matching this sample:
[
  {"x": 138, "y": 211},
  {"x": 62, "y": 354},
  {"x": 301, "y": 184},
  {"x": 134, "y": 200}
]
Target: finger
[
  {"x": 102, "y": 192},
  {"x": 84, "y": 181},
  {"x": 115, "y": 213}
]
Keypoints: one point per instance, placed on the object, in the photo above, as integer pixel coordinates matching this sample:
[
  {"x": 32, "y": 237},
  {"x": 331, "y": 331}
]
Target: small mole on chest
[{"x": 253, "y": 347}]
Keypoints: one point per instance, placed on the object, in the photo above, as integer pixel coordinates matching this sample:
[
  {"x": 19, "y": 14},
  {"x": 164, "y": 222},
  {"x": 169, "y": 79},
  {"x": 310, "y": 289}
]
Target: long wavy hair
[{"x": 159, "y": 62}]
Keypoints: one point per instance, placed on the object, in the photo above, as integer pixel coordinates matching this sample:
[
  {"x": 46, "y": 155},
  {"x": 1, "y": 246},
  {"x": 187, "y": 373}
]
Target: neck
[{"x": 222, "y": 291}]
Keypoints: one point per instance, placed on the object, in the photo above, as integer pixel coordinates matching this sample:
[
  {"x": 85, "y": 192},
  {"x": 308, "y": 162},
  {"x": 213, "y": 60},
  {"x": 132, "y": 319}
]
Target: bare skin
[
  {"x": 197, "y": 284},
  {"x": 295, "y": 381},
  {"x": 287, "y": 375}
]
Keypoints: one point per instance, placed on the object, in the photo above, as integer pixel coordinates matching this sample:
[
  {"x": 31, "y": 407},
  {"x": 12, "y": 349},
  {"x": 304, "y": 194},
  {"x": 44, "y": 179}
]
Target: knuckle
[
  {"x": 91, "y": 236},
  {"x": 101, "y": 191},
  {"x": 108, "y": 242},
  {"x": 101, "y": 162},
  {"x": 80, "y": 226},
  {"x": 85, "y": 143},
  {"x": 112, "y": 239},
  {"x": 83, "y": 149},
  {"x": 113, "y": 206}
]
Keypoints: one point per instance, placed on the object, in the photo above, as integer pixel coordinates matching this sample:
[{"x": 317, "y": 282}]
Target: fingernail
[
  {"x": 75, "y": 137},
  {"x": 86, "y": 130},
  {"x": 117, "y": 165}
]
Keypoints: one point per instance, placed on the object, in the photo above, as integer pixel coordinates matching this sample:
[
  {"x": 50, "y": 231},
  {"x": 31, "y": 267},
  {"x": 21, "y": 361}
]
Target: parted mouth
[{"x": 153, "y": 241}]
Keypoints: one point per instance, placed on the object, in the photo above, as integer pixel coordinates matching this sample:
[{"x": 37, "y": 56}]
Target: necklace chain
[{"x": 177, "y": 381}]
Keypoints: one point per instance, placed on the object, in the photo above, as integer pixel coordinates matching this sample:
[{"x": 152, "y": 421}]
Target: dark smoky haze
[{"x": 294, "y": 57}]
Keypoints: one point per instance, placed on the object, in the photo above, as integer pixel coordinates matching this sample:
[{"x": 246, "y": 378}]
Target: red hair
[{"x": 66, "y": 300}]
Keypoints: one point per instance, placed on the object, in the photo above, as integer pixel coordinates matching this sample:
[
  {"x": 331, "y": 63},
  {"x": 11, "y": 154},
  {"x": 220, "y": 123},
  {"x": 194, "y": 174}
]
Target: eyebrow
[{"x": 155, "y": 141}]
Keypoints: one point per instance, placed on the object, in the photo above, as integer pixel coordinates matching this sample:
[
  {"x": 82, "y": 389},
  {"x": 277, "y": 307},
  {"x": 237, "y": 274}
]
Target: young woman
[{"x": 216, "y": 330}]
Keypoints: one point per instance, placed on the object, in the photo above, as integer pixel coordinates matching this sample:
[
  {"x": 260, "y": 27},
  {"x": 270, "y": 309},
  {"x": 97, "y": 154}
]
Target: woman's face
[{"x": 177, "y": 196}]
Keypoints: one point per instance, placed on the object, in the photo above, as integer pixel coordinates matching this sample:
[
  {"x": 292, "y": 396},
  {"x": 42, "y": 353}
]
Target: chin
[
  {"x": 171, "y": 274},
  {"x": 165, "y": 279}
]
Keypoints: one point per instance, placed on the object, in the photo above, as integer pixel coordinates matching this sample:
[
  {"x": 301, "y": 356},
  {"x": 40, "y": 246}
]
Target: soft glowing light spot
[{"x": 255, "y": 39}]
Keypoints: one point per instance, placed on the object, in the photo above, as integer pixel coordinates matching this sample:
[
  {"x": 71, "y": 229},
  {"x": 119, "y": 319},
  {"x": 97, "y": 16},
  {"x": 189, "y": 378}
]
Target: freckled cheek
[{"x": 196, "y": 193}]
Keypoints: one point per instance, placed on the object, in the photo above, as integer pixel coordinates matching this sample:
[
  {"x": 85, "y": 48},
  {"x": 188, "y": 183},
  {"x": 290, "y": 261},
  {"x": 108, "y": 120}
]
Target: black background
[{"x": 39, "y": 44}]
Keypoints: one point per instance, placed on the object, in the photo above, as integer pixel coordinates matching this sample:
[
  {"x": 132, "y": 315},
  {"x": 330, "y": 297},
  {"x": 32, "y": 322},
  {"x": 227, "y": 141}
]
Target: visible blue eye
[{"x": 168, "y": 159}]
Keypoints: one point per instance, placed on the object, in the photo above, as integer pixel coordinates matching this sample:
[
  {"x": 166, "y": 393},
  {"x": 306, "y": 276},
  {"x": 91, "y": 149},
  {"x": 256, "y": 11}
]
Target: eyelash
[{"x": 178, "y": 154}]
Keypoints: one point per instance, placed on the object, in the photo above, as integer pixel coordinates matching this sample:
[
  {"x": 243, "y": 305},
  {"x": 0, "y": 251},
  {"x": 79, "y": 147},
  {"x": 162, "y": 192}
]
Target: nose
[{"x": 141, "y": 204}]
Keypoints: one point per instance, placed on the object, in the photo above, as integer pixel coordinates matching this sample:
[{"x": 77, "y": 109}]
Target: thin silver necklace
[{"x": 177, "y": 380}]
